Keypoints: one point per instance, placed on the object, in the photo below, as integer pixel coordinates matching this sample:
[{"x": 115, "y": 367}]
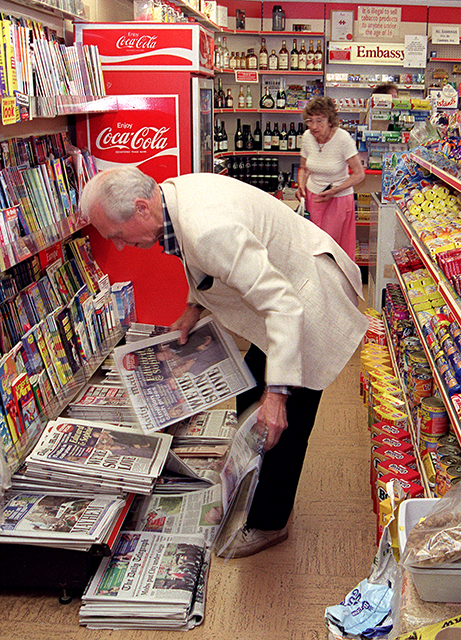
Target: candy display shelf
[{"x": 411, "y": 426}]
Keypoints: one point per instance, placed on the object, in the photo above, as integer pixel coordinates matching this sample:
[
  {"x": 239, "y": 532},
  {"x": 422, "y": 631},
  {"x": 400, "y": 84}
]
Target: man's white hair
[{"x": 115, "y": 190}]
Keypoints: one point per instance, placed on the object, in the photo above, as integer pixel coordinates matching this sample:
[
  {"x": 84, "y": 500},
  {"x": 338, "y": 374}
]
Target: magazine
[
  {"x": 192, "y": 512},
  {"x": 151, "y": 581},
  {"x": 168, "y": 382},
  {"x": 65, "y": 522},
  {"x": 84, "y": 452}
]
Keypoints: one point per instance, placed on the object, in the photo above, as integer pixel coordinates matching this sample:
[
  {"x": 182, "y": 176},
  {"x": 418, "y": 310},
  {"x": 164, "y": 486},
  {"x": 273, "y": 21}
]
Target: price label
[
  {"x": 246, "y": 76},
  {"x": 10, "y": 110}
]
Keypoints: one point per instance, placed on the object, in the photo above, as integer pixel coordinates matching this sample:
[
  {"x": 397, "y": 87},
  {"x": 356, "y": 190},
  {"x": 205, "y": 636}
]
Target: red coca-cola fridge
[{"x": 161, "y": 120}]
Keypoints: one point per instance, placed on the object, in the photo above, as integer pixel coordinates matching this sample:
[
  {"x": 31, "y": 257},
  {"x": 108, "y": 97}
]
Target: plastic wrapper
[
  {"x": 367, "y": 611},
  {"x": 436, "y": 540}
]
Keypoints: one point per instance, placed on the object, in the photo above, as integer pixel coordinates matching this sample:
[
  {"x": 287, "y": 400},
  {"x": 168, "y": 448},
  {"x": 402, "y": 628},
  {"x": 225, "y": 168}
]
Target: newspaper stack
[
  {"x": 193, "y": 512},
  {"x": 207, "y": 428},
  {"x": 151, "y": 581},
  {"x": 104, "y": 403},
  {"x": 65, "y": 522},
  {"x": 139, "y": 331},
  {"x": 98, "y": 457}
]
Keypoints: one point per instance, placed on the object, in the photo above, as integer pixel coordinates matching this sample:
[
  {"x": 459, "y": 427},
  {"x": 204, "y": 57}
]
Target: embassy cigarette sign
[{"x": 366, "y": 53}]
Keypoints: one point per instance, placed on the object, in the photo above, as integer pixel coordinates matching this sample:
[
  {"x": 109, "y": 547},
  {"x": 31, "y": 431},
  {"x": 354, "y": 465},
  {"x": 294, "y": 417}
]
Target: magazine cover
[{"x": 168, "y": 382}]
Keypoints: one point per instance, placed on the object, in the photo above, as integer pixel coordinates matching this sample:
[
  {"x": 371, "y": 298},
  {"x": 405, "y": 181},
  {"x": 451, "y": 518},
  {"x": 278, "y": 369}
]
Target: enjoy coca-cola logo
[
  {"x": 136, "y": 41},
  {"x": 141, "y": 140}
]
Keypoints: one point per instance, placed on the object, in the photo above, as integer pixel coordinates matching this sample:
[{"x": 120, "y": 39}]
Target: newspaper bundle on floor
[
  {"x": 104, "y": 403},
  {"x": 98, "y": 457},
  {"x": 168, "y": 382},
  {"x": 65, "y": 522},
  {"x": 151, "y": 581}
]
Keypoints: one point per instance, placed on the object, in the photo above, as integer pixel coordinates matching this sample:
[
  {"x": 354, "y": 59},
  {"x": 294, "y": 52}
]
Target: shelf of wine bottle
[
  {"x": 263, "y": 173},
  {"x": 288, "y": 111},
  {"x": 271, "y": 72},
  {"x": 254, "y": 152}
]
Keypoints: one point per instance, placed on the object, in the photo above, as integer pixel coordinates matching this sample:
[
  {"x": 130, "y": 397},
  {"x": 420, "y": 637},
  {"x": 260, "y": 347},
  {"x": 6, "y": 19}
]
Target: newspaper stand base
[{"x": 65, "y": 570}]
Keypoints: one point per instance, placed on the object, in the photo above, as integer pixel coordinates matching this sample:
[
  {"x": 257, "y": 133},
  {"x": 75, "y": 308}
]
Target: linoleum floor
[{"x": 280, "y": 593}]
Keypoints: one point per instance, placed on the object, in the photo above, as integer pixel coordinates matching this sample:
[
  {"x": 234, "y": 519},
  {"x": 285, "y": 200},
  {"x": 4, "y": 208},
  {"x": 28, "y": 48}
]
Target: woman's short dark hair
[
  {"x": 385, "y": 87},
  {"x": 322, "y": 106}
]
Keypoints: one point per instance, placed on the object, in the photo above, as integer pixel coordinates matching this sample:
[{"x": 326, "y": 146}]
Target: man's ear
[{"x": 142, "y": 208}]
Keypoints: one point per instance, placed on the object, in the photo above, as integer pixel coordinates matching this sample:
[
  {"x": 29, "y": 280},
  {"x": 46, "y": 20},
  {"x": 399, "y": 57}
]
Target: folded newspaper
[
  {"x": 239, "y": 478},
  {"x": 168, "y": 382},
  {"x": 151, "y": 581},
  {"x": 98, "y": 457}
]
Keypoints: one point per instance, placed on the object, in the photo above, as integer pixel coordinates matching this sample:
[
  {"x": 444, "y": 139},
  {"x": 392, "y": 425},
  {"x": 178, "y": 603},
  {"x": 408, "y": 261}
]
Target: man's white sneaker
[{"x": 250, "y": 541}]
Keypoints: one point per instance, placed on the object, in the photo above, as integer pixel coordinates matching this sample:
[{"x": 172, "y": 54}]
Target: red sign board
[
  {"x": 143, "y": 133},
  {"x": 138, "y": 46}
]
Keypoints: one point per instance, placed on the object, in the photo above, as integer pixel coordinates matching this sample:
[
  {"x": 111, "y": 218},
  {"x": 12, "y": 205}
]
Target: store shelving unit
[{"x": 411, "y": 426}]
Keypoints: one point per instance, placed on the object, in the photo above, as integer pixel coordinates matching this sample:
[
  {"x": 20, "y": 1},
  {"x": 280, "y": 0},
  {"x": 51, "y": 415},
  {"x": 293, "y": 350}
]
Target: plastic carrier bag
[
  {"x": 301, "y": 209},
  {"x": 436, "y": 540}
]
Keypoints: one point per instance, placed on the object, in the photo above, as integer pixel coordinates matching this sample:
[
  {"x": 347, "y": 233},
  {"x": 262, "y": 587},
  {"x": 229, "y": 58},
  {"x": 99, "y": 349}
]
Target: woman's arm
[{"x": 303, "y": 174}]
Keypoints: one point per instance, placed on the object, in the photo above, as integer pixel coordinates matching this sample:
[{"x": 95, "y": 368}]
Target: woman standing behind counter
[{"x": 330, "y": 168}]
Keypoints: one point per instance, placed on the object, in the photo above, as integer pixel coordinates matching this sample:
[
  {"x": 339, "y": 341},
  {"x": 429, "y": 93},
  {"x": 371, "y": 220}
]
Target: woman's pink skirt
[{"x": 337, "y": 218}]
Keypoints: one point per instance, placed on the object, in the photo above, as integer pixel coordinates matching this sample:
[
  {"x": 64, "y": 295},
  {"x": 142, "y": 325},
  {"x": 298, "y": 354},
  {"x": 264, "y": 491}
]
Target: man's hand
[
  {"x": 273, "y": 416},
  {"x": 186, "y": 322}
]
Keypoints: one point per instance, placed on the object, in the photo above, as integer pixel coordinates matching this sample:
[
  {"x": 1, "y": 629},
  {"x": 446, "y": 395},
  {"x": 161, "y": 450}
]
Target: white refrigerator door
[{"x": 202, "y": 125}]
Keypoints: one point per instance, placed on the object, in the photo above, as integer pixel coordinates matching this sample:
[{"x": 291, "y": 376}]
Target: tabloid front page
[
  {"x": 168, "y": 382},
  {"x": 63, "y": 521},
  {"x": 82, "y": 448}
]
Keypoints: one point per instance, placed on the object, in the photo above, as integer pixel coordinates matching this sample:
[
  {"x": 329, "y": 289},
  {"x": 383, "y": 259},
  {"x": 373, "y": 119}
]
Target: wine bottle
[
  {"x": 248, "y": 98},
  {"x": 267, "y": 101},
  {"x": 275, "y": 141},
  {"x": 263, "y": 57},
  {"x": 241, "y": 99},
  {"x": 243, "y": 61},
  {"x": 284, "y": 57},
  {"x": 299, "y": 136},
  {"x": 310, "y": 57},
  {"x": 218, "y": 54},
  {"x": 238, "y": 138},
  {"x": 225, "y": 54},
  {"x": 257, "y": 137},
  {"x": 233, "y": 61},
  {"x": 252, "y": 59},
  {"x": 216, "y": 136},
  {"x": 283, "y": 140},
  {"x": 302, "y": 58},
  {"x": 267, "y": 138},
  {"x": 229, "y": 100},
  {"x": 294, "y": 56},
  {"x": 292, "y": 137},
  {"x": 223, "y": 142},
  {"x": 273, "y": 62},
  {"x": 318, "y": 57},
  {"x": 248, "y": 140},
  {"x": 281, "y": 100}
]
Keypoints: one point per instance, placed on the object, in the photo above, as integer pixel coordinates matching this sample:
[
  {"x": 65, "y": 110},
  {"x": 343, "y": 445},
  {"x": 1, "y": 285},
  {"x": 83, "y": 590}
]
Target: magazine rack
[{"x": 30, "y": 566}]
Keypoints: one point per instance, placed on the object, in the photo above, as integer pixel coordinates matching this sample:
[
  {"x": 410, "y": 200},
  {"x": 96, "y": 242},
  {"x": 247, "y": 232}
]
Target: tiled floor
[{"x": 281, "y": 593}]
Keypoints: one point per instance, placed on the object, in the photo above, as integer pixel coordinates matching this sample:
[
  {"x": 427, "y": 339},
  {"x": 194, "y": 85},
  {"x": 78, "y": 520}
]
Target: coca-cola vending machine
[{"x": 161, "y": 120}]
